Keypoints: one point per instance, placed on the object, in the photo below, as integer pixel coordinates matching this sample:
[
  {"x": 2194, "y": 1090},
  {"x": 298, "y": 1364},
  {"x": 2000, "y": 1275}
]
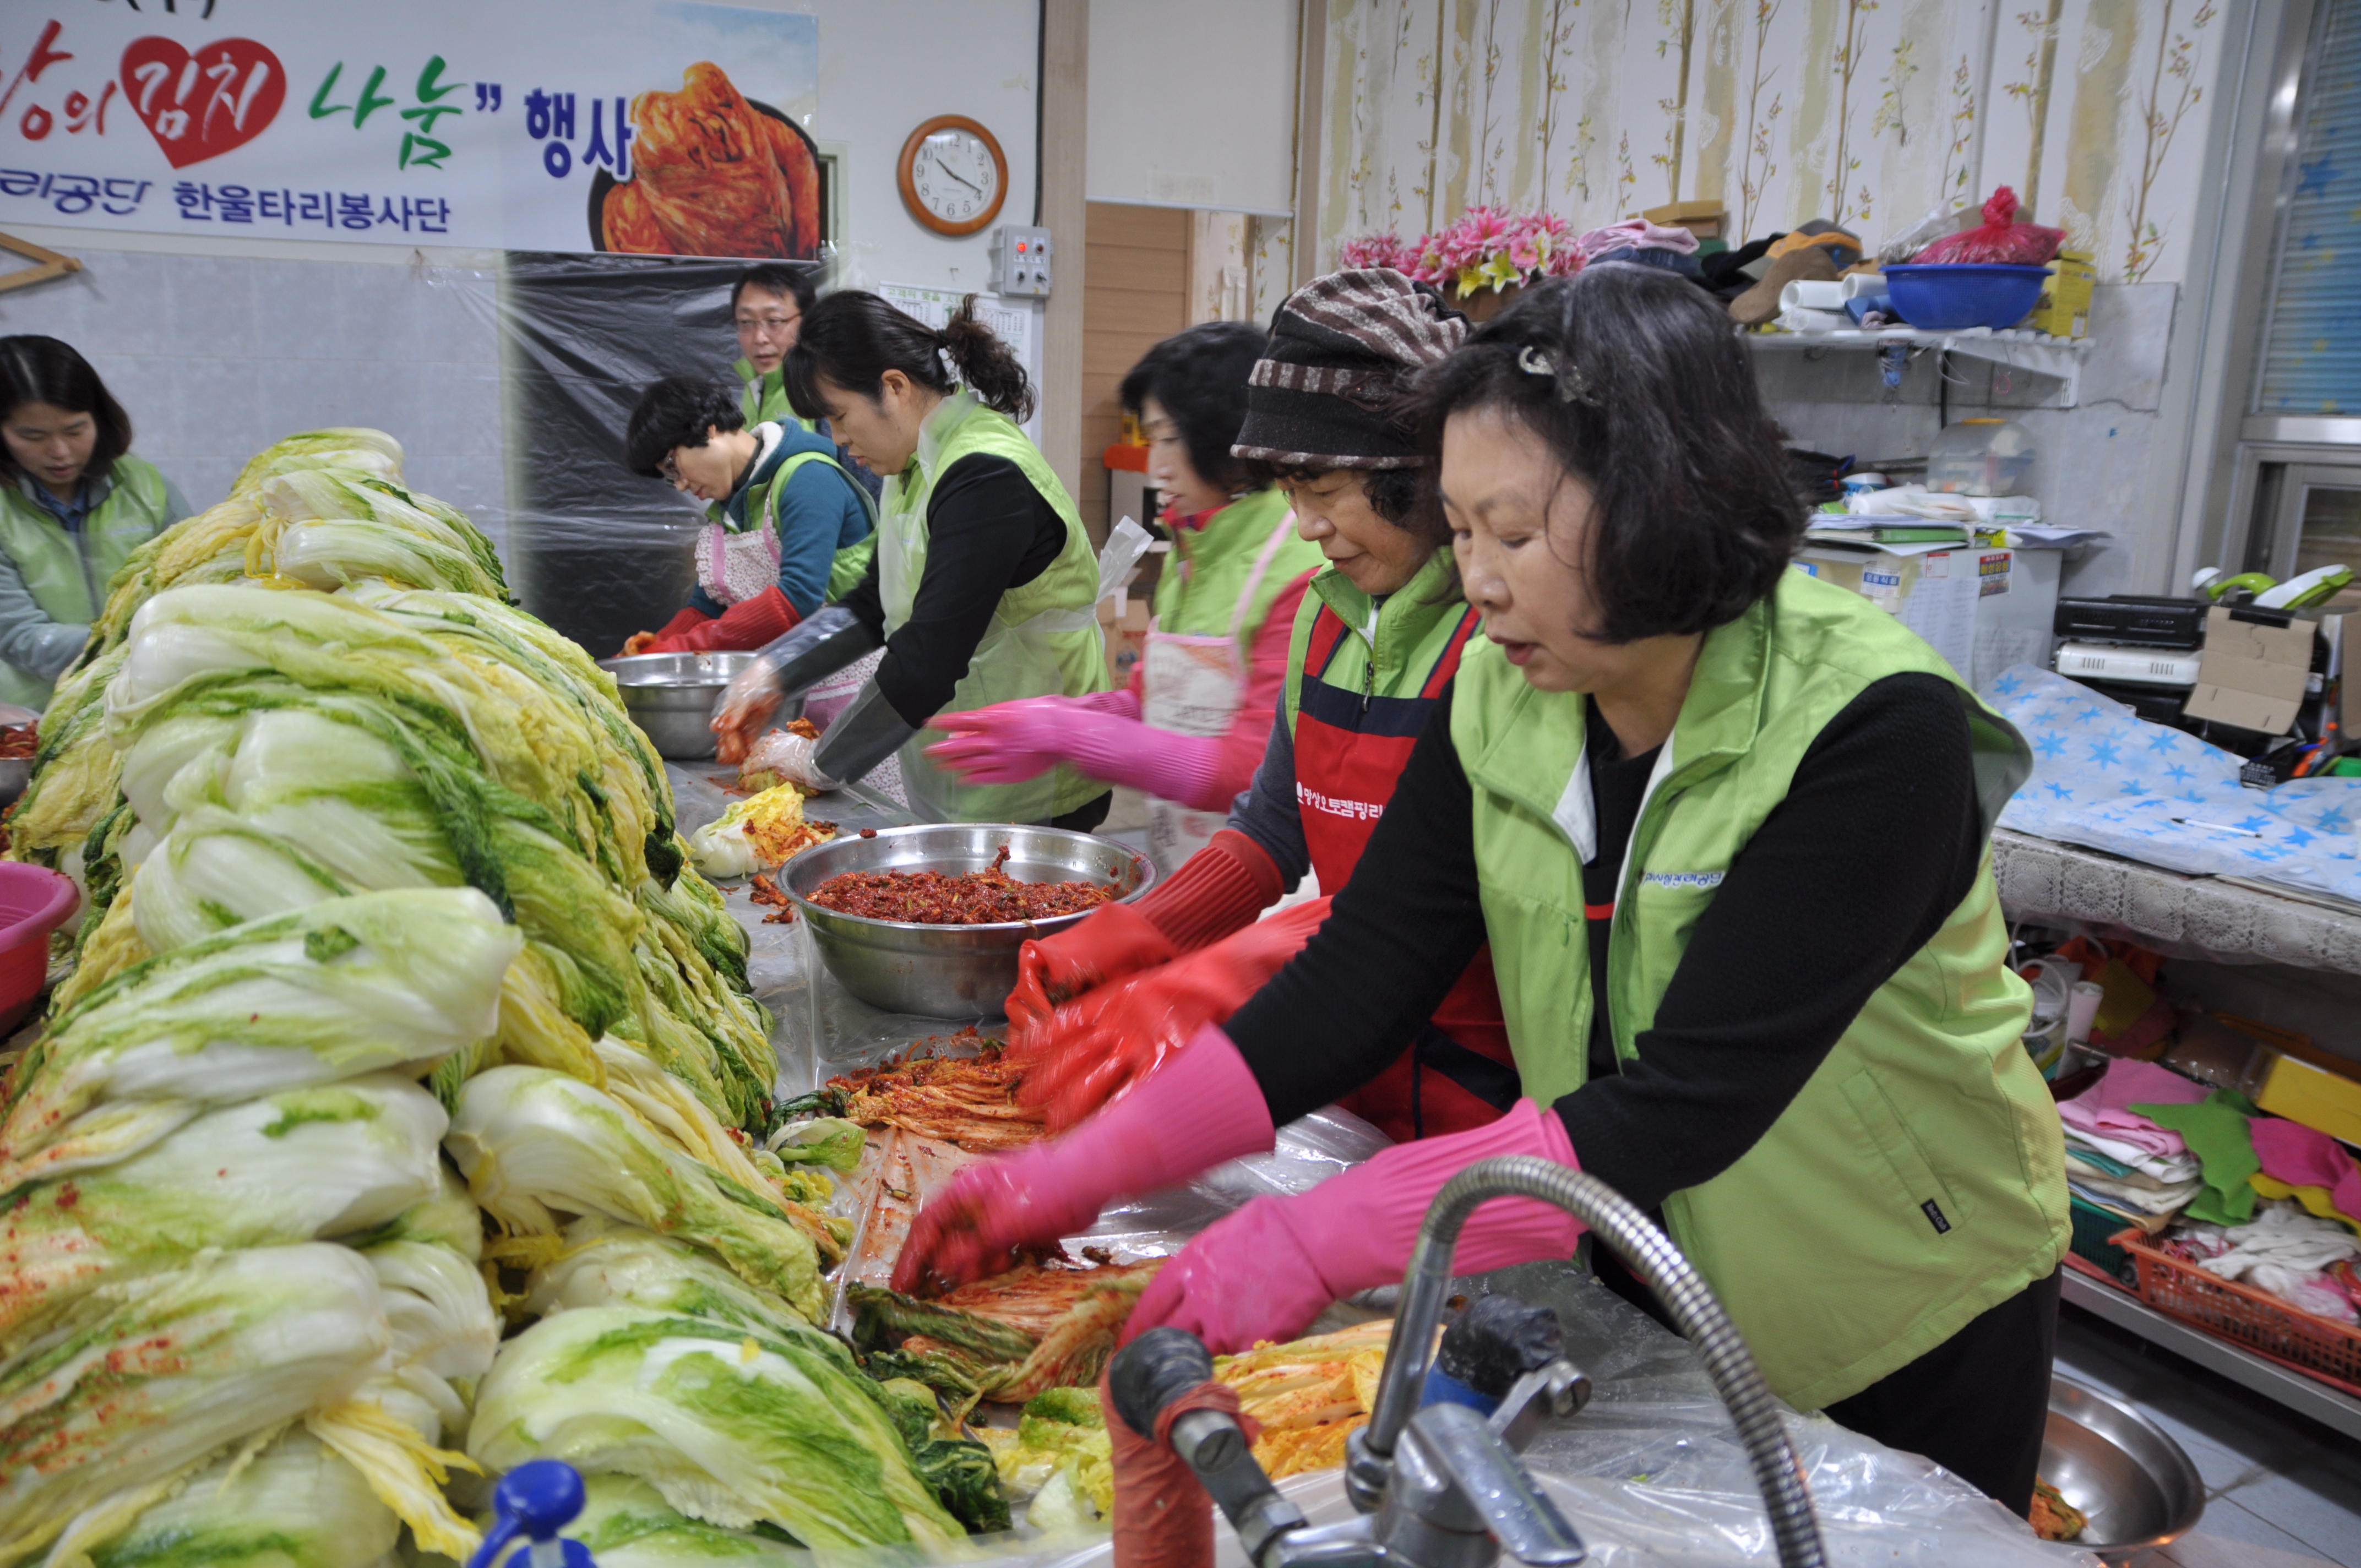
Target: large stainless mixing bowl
[
  {"x": 947, "y": 972},
  {"x": 671, "y": 697},
  {"x": 2136, "y": 1485}
]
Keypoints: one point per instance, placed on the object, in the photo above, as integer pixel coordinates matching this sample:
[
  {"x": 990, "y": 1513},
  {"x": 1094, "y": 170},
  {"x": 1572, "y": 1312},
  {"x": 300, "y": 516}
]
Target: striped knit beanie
[{"x": 1341, "y": 348}]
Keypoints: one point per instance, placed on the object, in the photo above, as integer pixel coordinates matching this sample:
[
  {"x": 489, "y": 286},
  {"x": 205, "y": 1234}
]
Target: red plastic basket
[{"x": 2255, "y": 1318}]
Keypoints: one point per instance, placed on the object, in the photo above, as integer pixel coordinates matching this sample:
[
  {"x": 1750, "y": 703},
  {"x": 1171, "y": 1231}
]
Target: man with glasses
[{"x": 767, "y": 305}]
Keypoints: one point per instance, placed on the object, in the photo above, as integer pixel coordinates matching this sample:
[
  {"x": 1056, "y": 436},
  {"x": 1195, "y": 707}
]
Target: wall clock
[{"x": 953, "y": 175}]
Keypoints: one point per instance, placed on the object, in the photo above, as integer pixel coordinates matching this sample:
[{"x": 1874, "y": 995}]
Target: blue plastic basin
[{"x": 1946, "y": 297}]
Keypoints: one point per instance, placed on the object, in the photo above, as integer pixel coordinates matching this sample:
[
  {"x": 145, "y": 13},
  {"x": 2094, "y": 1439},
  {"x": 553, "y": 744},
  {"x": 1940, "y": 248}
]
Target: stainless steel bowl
[
  {"x": 15, "y": 773},
  {"x": 947, "y": 972},
  {"x": 2136, "y": 1485},
  {"x": 671, "y": 697}
]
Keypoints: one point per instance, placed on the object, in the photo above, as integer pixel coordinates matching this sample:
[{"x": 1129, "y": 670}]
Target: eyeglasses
[
  {"x": 758, "y": 326},
  {"x": 669, "y": 470}
]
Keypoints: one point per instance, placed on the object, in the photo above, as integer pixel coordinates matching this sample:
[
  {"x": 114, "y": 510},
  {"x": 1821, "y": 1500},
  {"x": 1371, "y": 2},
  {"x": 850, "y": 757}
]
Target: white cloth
[
  {"x": 2164, "y": 1167},
  {"x": 2283, "y": 1250}
]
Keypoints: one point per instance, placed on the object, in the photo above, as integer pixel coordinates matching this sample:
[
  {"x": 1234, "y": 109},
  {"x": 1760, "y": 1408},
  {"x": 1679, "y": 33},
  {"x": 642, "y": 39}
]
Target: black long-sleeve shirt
[
  {"x": 988, "y": 530},
  {"x": 1874, "y": 846}
]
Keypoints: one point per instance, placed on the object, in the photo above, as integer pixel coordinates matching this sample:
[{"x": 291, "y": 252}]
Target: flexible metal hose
[{"x": 1651, "y": 1255}]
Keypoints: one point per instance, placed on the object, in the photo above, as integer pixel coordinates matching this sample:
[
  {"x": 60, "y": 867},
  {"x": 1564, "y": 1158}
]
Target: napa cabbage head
[
  {"x": 292, "y": 1505},
  {"x": 605, "y": 1263},
  {"x": 376, "y": 982},
  {"x": 341, "y": 447},
  {"x": 734, "y": 1428},
  {"x": 626, "y": 1523},
  {"x": 328, "y": 527},
  {"x": 99, "y": 1424},
  {"x": 334, "y": 1160},
  {"x": 753, "y": 834},
  {"x": 536, "y": 1143}
]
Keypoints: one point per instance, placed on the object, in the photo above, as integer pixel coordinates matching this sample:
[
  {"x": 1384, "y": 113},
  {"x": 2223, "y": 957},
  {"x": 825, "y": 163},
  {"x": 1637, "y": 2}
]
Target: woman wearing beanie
[
  {"x": 1191, "y": 727},
  {"x": 1648, "y": 790},
  {"x": 983, "y": 584}
]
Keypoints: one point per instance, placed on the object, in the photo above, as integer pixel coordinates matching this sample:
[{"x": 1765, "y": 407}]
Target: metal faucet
[{"x": 1441, "y": 1486}]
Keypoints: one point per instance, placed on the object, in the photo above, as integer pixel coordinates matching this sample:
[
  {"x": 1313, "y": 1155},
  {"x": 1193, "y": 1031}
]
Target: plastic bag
[
  {"x": 1940, "y": 224},
  {"x": 2000, "y": 239}
]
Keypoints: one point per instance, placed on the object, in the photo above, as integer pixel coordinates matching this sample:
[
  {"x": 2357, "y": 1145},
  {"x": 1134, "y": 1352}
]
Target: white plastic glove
[{"x": 791, "y": 757}]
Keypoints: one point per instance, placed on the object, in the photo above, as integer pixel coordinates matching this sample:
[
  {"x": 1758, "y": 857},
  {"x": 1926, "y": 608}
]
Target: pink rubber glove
[
  {"x": 1011, "y": 741},
  {"x": 1198, "y": 1108},
  {"x": 1268, "y": 1270}
]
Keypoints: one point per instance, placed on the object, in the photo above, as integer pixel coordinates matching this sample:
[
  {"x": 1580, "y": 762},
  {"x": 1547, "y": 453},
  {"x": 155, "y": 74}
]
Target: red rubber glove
[
  {"x": 1221, "y": 888},
  {"x": 1111, "y": 941},
  {"x": 645, "y": 642},
  {"x": 1265, "y": 1272},
  {"x": 748, "y": 623},
  {"x": 1203, "y": 1108},
  {"x": 1092, "y": 1049}
]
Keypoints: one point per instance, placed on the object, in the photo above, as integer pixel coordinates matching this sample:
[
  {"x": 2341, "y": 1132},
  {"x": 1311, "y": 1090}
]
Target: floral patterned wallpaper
[{"x": 1874, "y": 113}]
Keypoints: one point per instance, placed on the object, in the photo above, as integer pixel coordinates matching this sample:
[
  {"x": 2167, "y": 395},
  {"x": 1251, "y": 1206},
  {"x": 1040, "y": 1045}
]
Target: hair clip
[{"x": 1572, "y": 386}]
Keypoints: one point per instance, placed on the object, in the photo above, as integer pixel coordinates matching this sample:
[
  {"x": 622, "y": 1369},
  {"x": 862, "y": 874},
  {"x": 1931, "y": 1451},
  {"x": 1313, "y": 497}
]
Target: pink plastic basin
[{"x": 34, "y": 902}]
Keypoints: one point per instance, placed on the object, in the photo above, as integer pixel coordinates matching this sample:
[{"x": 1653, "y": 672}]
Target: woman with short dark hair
[
  {"x": 1725, "y": 828},
  {"x": 1191, "y": 725},
  {"x": 787, "y": 529},
  {"x": 74, "y": 503}
]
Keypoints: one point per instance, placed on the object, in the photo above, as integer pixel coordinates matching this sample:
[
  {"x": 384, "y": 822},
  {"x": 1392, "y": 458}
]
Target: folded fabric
[
  {"x": 2304, "y": 1157},
  {"x": 2146, "y": 1200},
  {"x": 2178, "y": 1165},
  {"x": 2315, "y": 1198},
  {"x": 2106, "y": 1170},
  {"x": 2216, "y": 1131},
  {"x": 2149, "y": 1223},
  {"x": 2127, "y": 1082},
  {"x": 1634, "y": 231},
  {"x": 2284, "y": 1251},
  {"x": 2120, "y": 1126}
]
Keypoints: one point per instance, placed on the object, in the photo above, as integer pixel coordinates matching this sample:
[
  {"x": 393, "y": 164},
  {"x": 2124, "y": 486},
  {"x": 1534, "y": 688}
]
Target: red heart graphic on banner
[{"x": 201, "y": 105}]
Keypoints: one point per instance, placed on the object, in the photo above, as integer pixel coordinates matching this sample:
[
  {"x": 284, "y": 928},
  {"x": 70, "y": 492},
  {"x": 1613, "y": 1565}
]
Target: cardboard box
[
  {"x": 2324, "y": 1101},
  {"x": 1703, "y": 219},
  {"x": 2252, "y": 676},
  {"x": 1122, "y": 624},
  {"x": 2064, "y": 309},
  {"x": 1936, "y": 590}
]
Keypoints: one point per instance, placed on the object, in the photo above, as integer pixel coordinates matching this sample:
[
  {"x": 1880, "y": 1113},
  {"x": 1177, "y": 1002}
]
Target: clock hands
[{"x": 956, "y": 175}]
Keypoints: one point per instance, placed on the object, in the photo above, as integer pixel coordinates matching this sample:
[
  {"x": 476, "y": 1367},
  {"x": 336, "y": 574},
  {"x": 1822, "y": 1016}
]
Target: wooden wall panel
[{"x": 1134, "y": 293}]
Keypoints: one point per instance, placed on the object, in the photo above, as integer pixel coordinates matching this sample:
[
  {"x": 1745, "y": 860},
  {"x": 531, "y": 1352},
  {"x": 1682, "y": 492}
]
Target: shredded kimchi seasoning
[
  {"x": 987, "y": 897},
  {"x": 20, "y": 740}
]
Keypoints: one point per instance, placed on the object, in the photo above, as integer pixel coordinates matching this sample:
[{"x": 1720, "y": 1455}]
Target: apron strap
[
  {"x": 1446, "y": 663},
  {"x": 1270, "y": 548},
  {"x": 1327, "y": 635}
]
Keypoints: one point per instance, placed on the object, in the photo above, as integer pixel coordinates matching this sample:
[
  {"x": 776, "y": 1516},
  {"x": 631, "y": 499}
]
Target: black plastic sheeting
[{"x": 592, "y": 548}]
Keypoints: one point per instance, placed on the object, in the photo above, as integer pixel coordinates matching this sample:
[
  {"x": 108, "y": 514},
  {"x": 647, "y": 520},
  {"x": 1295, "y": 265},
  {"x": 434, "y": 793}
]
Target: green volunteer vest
[
  {"x": 1067, "y": 592},
  {"x": 848, "y": 566},
  {"x": 68, "y": 586},
  {"x": 1919, "y": 1180},
  {"x": 764, "y": 399},
  {"x": 1413, "y": 630},
  {"x": 1202, "y": 600}
]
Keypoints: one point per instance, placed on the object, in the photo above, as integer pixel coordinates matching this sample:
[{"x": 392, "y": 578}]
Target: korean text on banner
[{"x": 533, "y": 125}]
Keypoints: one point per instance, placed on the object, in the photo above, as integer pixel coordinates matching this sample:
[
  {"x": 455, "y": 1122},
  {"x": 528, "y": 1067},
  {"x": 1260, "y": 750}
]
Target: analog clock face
[{"x": 955, "y": 176}]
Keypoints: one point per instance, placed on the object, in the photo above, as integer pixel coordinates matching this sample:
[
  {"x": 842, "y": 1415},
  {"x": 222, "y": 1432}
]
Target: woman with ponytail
[{"x": 984, "y": 585}]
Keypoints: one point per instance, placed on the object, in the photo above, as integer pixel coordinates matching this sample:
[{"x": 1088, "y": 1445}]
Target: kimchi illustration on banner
[{"x": 715, "y": 175}]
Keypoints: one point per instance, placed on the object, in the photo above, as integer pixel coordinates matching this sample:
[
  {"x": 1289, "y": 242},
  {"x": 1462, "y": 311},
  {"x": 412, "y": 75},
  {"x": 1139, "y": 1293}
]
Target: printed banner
[{"x": 671, "y": 128}]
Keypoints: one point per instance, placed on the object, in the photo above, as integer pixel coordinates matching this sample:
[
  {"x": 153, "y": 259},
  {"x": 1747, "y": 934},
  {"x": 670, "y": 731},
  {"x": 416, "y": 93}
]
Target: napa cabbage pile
[{"x": 395, "y": 1007}]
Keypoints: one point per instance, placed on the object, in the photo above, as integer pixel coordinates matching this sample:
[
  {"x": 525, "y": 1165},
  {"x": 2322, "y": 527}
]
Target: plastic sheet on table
[{"x": 1651, "y": 1472}]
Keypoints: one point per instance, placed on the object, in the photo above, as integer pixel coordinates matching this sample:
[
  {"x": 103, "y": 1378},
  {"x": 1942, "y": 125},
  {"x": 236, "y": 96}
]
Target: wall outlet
[{"x": 1021, "y": 262}]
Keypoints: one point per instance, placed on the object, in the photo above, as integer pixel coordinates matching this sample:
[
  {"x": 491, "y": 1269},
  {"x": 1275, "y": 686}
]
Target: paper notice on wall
[
  {"x": 1941, "y": 607},
  {"x": 1015, "y": 322}
]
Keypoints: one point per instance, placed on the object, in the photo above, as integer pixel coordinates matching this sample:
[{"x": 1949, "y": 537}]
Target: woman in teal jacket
[{"x": 73, "y": 504}]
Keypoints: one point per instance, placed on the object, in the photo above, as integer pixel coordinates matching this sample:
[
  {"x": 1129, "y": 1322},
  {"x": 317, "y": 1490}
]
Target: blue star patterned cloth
[{"x": 2108, "y": 780}]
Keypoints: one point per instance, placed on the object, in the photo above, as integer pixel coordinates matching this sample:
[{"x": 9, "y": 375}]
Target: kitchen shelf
[
  {"x": 2288, "y": 1387},
  {"x": 2036, "y": 353}
]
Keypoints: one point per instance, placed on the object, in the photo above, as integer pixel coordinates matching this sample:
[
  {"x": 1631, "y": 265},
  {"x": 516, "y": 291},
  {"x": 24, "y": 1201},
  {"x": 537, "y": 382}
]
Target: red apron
[{"x": 1350, "y": 751}]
